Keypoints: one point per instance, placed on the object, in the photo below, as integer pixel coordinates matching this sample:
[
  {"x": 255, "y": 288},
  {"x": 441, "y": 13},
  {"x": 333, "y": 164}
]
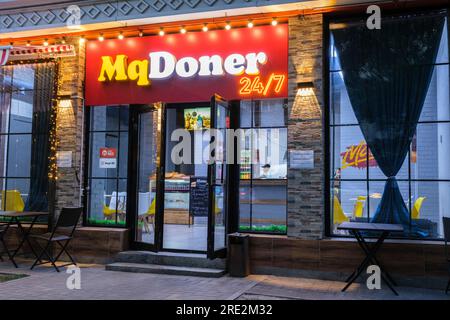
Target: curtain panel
[
  {"x": 40, "y": 148},
  {"x": 387, "y": 73}
]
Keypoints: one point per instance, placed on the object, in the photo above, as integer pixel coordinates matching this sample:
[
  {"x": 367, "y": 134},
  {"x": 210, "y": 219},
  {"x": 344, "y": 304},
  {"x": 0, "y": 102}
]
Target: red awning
[
  {"x": 38, "y": 52},
  {"x": 4, "y": 54}
]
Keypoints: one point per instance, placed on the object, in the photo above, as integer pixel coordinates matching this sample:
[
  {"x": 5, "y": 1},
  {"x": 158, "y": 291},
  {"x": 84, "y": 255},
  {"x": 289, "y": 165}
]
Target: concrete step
[
  {"x": 163, "y": 269},
  {"x": 170, "y": 259}
]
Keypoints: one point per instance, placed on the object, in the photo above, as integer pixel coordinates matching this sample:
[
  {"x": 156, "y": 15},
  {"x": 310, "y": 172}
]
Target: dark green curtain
[
  {"x": 42, "y": 104},
  {"x": 387, "y": 73}
]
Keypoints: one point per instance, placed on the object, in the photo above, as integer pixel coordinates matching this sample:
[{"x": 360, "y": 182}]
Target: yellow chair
[
  {"x": 150, "y": 214},
  {"x": 416, "y": 208},
  {"x": 14, "y": 201},
  {"x": 359, "y": 206},
  {"x": 107, "y": 211},
  {"x": 152, "y": 209},
  {"x": 338, "y": 213},
  {"x": 110, "y": 210}
]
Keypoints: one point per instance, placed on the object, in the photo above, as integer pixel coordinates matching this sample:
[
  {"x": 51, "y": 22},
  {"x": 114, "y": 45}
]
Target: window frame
[
  {"x": 33, "y": 132},
  {"x": 88, "y": 149},
  {"x": 329, "y": 124},
  {"x": 254, "y": 103}
]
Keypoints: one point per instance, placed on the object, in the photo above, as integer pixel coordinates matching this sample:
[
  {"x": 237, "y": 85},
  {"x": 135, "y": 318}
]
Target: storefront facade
[{"x": 118, "y": 100}]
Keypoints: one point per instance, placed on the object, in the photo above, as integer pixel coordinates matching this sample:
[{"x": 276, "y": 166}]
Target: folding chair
[
  {"x": 446, "y": 222},
  {"x": 3, "y": 229},
  {"x": 68, "y": 220}
]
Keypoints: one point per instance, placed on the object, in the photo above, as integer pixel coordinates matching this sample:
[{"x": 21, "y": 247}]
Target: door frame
[
  {"x": 211, "y": 252},
  {"x": 182, "y": 105},
  {"x": 133, "y": 168},
  {"x": 231, "y": 224}
]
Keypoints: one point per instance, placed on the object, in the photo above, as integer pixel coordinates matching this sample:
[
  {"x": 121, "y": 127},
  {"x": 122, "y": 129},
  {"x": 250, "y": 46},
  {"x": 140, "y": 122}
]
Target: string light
[
  {"x": 53, "y": 132},
  {"x": 161, "y": 32}
]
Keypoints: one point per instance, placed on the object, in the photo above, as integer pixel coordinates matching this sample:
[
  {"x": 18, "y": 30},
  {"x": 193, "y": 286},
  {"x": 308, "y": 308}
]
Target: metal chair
[
  {"x": 446, "y": 222},
  {"x": 3, "y": 229},
  {"x": 67, "y": 223}
]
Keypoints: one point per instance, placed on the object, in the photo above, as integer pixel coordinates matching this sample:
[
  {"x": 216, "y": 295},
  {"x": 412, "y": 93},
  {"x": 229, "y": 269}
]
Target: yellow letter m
[{"x": 113, "y": 71}]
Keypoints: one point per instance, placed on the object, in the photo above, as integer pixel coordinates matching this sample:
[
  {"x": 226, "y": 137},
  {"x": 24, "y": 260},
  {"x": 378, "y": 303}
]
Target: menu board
[{"x": 199, "y": 197}]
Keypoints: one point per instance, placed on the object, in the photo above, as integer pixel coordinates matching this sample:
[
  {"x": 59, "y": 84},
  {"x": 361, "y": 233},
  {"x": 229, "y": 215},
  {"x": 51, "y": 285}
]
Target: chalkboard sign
[{"x": 199, "y": 197}]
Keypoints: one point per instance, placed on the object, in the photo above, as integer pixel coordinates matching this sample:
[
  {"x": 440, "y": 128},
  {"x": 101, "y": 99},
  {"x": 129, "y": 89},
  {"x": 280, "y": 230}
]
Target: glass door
[
  {"x": 186, "y": 188},
  {"x": 218, "y": 178},
  {"x": 146, "y": 186}
]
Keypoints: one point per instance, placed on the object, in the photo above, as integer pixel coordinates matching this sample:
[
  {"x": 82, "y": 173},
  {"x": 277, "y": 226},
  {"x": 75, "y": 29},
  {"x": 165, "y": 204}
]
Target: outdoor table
[
  {"x": 383, "y": 229},
  {"x": 15, "y": 219}
]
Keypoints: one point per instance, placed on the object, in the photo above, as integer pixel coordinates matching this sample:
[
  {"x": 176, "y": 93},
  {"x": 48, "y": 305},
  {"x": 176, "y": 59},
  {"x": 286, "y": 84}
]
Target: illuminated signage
[
  {"x": 247, "y": 62},
  {"x": 164, "y": 64},
  {"x": 356, "y": 156}
]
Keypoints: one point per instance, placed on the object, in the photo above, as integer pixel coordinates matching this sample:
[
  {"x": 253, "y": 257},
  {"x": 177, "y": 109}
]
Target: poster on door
[{"x": 108, "y": 158}]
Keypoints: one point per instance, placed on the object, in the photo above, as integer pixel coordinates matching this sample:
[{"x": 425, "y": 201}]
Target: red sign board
[
  {"x": 236, "y": 64},
  {"x": 108, "y": 153}
]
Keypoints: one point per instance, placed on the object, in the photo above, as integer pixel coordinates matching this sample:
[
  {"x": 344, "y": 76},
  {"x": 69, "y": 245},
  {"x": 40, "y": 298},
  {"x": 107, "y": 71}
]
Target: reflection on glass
[
  {"x": 350, "y": 154},
  {"x": 263, "y": 167},
  {"x": 219, "y": 218},
  {"x": 24, "y": 76},
  {"x": 21, "y": 113},
  {"x": 186, "y": 223},
  {"x": 107, "y": 201},
  {"x": 430, "y": 202},
  {"x": 422, "y": 177},
  {"x": 426, "y": 163},
  {"x": 26, "y": 92},
  {"x": 107, "y": 196},
  {"x": 104, "y": 146},
  {"x": 245, "y": 205},
  {"x": 349, "y": 201},
  {"x": 147, "y": 162}
]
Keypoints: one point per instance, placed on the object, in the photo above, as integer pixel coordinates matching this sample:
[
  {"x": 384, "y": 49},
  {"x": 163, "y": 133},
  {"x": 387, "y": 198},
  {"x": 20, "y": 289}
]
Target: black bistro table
[
  {"x": 383, "y": 230},
  {"x": 14, "y": 219}
]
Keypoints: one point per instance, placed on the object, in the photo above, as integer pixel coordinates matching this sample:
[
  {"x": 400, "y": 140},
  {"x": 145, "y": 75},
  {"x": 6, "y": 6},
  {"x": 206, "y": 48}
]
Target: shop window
[
  {"x": 26, "y": 93},
  {"x": 356, "y": 180},
  {"x": 263, "y": 166},
  {"x": 108, "y": 165}
]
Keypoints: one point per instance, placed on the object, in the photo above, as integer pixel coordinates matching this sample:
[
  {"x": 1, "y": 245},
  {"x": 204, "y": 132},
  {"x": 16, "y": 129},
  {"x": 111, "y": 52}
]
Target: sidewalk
[{"x": 96, "y": 283}]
